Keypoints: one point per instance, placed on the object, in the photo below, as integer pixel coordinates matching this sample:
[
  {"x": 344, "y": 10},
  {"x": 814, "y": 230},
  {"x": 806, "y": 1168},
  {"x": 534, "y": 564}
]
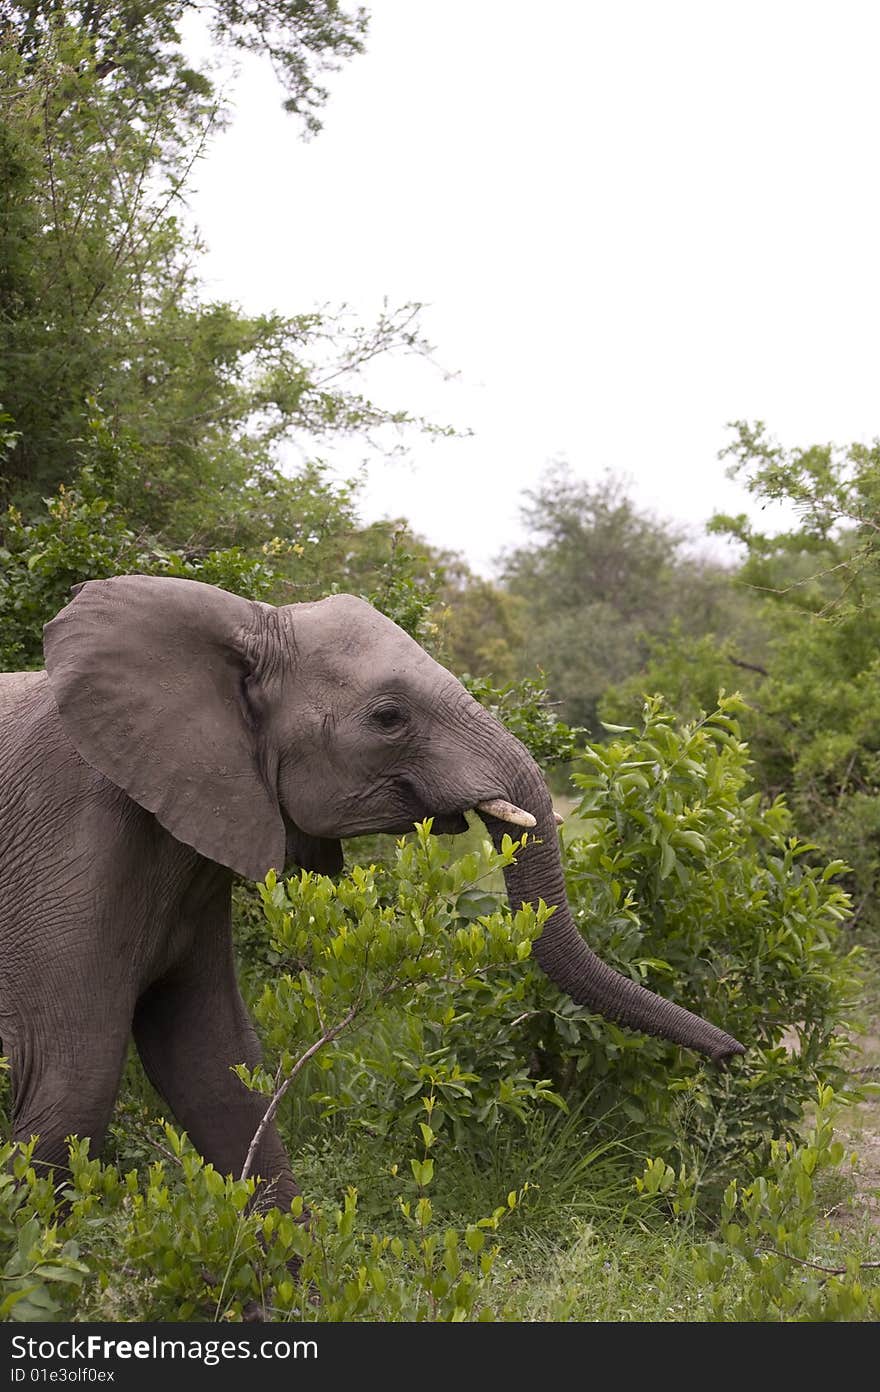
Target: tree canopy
[
  {"x": 138, "y": 51},
  {"x": 597, "y": 581},
  {"x": 101, "y": 308}
]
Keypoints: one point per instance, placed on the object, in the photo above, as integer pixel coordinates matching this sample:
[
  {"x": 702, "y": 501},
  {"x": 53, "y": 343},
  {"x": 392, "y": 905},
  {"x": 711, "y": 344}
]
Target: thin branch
[
  {"x": 815, "y": 1266},
  {"x": 797, "y": 584},
  {"x": 326, "y": 1038},
  {"x": 748, "y": 666},
  {"x": 56, "y": 216},
  {"x": 845, "y": 780},
  {"x": 157, "y": 1145},
  {"x": 526, "y": 1015},
  {"x": 321, "y": 1024},
  {"x": 275, "y": 1103}
]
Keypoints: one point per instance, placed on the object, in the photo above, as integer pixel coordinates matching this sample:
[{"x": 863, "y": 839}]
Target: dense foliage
[
  {"x": 405, "y": 1025},
  {"x": 678, "y": 877},
  {"x": 805, "y": 660},
  {"x": 100, "y": 297}
]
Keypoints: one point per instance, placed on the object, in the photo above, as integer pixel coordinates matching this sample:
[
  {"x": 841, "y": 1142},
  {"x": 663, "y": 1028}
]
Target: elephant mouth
[
  {"x": 449, "y": 824},
  {"x": 445, "y": 823},
  {"x": 442, "y": 824},
  {"x": 453, "y": 823}
]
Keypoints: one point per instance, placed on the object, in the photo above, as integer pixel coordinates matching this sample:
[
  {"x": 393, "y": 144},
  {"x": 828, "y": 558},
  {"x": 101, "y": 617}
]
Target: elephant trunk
[{"x": 561, "y": 951}]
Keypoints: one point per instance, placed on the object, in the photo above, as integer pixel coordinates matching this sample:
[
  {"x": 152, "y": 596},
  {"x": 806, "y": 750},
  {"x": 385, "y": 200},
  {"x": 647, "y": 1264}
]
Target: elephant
[{"x": 181, "y": 734}]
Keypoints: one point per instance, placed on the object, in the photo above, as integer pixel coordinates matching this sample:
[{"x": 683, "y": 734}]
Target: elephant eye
[{"x": 388, "y": 716}]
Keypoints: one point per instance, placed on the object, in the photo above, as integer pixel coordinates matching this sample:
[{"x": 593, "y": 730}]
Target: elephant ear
[{"x": 157, "y": 688}]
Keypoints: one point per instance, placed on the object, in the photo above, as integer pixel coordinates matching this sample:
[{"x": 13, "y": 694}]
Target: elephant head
[{"x": 260, "y": 736}]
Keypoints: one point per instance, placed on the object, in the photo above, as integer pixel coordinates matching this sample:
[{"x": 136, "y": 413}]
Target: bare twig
[
  {"x": 747, "y": 666},
  {"x": 281, "y": 1087},
  {"x": 815, "y": 1266},
  {"x": 526, "y": 1015},
  {"x": 268, "y": 1115},
  {"x": 157, "y": 1145},
  {"x": 797, "y": 584},
  {"x": 845, "y": 779}
]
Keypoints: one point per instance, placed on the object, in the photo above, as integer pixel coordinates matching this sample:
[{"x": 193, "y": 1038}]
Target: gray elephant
[{"x": 178, "y": 734}]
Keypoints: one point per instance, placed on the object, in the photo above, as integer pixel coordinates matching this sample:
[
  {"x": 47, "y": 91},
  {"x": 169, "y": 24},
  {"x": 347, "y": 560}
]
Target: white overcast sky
[{"x": 631, "y": 223}]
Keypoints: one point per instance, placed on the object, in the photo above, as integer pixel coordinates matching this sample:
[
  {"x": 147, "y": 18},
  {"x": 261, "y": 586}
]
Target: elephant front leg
[
  {"x": 65, "y": 1077},
  {"x": 190, "y": 1028}
]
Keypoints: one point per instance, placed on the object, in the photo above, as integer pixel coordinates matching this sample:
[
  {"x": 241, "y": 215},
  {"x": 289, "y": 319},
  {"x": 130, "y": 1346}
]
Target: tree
[
  {"x": 101, "y": 309},
  {"x": 597, "y": 582},
  {"x": 481, "y": 624},
  {"x": 817, "y": 706},
  {"x": 830, "y": 560},
  {"x": 137, "y": 44}
]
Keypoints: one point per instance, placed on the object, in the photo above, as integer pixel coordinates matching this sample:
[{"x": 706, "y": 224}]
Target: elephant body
[
  {"x": 180, "y": 734},
  {"x": 112, "y": 926}
]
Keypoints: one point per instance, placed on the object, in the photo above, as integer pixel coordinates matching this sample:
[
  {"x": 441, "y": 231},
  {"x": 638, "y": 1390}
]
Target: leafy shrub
[
  {"x": 413, "y": 977},
  {"x": 41, "y": 1275},
  {"x": 182, "y": 1242},
  {"x": 84, "y": 535},
  {"x": 779, "y": 1257},
  {"x": 525, "y": 708},
  {"x": 682, "y": 880}
]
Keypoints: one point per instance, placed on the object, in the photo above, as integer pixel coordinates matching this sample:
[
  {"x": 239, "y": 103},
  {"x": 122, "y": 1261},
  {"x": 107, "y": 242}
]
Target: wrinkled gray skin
[{"x": 181, "y": 733}]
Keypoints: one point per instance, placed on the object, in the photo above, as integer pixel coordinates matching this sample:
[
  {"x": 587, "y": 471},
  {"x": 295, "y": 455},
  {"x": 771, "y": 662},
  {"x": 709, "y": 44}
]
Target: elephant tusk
[
  {"x": 559, "y": 820},
  {"x": 506, "y": 812}
]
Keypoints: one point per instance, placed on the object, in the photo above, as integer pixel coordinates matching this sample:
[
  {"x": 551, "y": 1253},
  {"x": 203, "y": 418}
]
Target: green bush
[
  {"x": 779, "y": 1257},
  {"x": 41, "y": 1275},
  {"x": 84, "y": 535},
  {"x": 527, "y": 711},
  {"x": 182, "y": 1242},
  {"x": 682, "y": 880},
  {"x": 428, "y": 973}
]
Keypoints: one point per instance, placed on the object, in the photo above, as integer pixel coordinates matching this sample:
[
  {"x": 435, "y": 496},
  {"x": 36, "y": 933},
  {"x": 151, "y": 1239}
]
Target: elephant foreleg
[
  {"x": 66, "y": 1085},
  {"x": 190, "y": 1028}
]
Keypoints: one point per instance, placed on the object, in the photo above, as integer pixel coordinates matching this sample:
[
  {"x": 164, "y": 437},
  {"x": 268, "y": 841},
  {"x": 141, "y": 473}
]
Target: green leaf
[{"x": 667, "y": 859}]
